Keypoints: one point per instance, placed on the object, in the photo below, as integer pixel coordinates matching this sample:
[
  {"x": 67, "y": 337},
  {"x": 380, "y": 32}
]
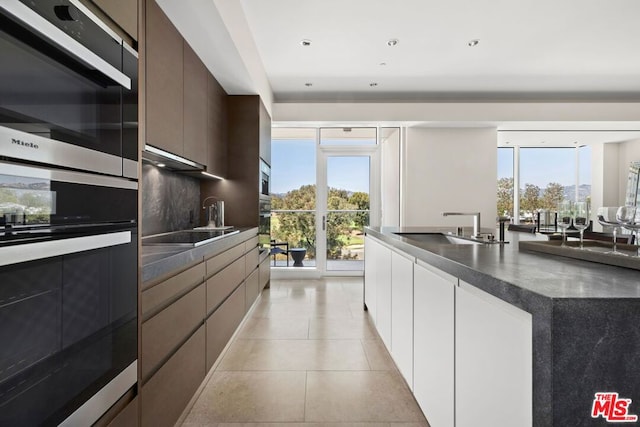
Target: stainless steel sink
[{"x": 439, "y": 239}]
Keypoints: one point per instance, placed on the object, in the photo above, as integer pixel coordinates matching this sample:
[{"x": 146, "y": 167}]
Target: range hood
[{"x": 165, "y": 159}]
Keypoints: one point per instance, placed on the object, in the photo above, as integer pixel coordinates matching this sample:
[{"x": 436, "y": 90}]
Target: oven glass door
[
  {"x": 46, "y": 94},
  {"x": 68, "y": 326},
  {"x": 57, "y": 94},
  {"x": 68, "y": 291}
]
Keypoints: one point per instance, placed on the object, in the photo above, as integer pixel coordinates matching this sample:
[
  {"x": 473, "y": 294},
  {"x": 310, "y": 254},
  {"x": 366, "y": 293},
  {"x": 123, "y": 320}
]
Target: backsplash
[{"x": 168, "y": 201}]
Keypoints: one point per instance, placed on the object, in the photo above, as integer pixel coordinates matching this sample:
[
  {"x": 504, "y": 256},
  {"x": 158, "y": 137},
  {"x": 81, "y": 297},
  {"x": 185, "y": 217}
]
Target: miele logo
[{"x": 24, "y": 143}]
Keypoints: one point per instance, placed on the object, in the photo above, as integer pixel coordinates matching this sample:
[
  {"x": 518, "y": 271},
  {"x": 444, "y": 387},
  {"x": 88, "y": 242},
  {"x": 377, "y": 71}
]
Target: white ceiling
[{"x": 528, "y": 49}]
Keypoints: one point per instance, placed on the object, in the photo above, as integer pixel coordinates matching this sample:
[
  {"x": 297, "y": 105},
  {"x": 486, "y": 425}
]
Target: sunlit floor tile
[
  {"x": 361, "y": 396},
  {"x": 294, "y": 355},
  {"x": 327, "y": 328},
  {"x": 269, "y": 328},
  {"x": 251, "y": 397}
]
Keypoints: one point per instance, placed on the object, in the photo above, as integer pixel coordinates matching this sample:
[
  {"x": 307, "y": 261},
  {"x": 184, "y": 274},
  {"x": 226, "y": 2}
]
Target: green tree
[
  {"x": 553, "y": 194},
  {"x": 299, "y": 228},
  {"x": 8, "y": 196},
  {"x": 360, "y": 200},
  {"x": 505, "y": 196},
  {"x": 530, "y": 200}
]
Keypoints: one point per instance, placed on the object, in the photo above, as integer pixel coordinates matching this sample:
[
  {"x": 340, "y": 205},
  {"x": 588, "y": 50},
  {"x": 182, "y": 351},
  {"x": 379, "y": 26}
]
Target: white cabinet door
[
  {"x": 370, "y": 275},
  {"x": 383, "y": 293},
  {"x": 433, "y": 351},
  {"x": 493, "y": 361},
  {"x": 377, "y": 292},
  {"x": 402, "y": 314}
]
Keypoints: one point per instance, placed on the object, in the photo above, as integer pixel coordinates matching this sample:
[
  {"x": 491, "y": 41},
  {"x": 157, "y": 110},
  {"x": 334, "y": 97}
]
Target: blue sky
[
  {"x": 540, "y": 166},
  {"x": 293, "y": 164}
]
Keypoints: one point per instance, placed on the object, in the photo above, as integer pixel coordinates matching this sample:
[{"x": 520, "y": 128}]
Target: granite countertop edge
[
  {"x": 522, "y": 278},
  {"x": 172, "y": 258}
]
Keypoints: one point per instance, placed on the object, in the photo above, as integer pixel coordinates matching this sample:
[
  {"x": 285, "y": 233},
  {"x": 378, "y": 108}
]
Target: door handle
[{"x": 324, "y": 223}]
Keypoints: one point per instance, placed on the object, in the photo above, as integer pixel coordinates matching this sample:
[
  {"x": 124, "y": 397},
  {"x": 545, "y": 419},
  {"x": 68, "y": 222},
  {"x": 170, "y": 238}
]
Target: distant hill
[{"x": 584, "y": 190}]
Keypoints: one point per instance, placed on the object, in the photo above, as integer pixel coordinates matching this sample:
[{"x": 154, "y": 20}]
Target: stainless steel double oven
[{"x": 68, "y": 214}]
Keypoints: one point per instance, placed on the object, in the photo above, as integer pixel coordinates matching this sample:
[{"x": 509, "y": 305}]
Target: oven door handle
[
  {"x": 58, "y": 37},
  {"x": 33, "y": 251}
]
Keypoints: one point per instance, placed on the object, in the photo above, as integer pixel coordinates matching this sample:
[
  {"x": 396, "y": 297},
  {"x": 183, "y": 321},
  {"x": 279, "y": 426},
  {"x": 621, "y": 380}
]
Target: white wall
[
  {"x": 604, "y": 178},
  {"x": 449, "y": 169},
  {"x": 390, "y": 176},
  {"x": 628, "y": 151},
  {"x": 468, "y": 112}
]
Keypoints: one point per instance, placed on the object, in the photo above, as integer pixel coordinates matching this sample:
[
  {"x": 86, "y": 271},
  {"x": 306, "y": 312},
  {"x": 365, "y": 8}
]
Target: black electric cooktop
[{"x": 187, "y": 238}]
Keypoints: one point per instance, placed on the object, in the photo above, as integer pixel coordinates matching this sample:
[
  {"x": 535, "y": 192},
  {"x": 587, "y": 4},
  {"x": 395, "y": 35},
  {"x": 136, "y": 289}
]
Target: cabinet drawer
[
  {"x": 223, "y": 283},
  {"x": 128, "y": 417},
  {"x": 222, "y": 324},
  {"x": 167, "y": 393},
  {"x": 252, "y": 290},
  {"x": 166, "y": 330},
  {"x": 160, "y": 295},
  {"x": 265, "y": 272},
  {"x": 250, "y": 244},
  {"x": 220, "y": 261},
  {"x": 252, "y": 258}
]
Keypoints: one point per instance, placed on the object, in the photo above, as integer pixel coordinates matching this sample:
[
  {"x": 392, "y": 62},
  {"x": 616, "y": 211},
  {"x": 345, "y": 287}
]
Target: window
[
  {"x": 584, "y": 174},
  {"x": 293, "y": 190},
  {"x": 348, "y": 136},
  {"x": 547, "y": 175},
  {"x": 505, "y": 181}
]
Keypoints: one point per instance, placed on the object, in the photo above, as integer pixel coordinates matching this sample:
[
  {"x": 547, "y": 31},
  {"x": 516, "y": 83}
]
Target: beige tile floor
[{"x": 307, "y": 356}]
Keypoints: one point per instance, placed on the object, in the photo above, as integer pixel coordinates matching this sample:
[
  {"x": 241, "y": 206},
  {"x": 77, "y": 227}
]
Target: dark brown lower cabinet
[
  {"x": 167, "y": 393},
  {"x": 165, "y": 331},
  {"x": 252, "y": 289},
  {"x": 128, "y": 417},
  {"x": 223, "y": 322},
  {"x": 187, "y": 320}
]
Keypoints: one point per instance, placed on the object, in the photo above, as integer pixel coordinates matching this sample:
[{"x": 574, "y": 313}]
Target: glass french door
[{"x": 344, "y": 208}]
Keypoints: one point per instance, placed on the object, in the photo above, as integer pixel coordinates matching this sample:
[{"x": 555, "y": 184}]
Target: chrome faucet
[
  {"x": 210, "y": 214},
  {"x": 204, "y": 202},
  {"x": 476, "y": 220}
]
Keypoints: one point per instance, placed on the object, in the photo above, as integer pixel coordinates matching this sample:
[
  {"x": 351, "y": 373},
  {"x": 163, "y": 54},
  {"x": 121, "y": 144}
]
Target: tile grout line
[{"x": 304, "y": 408}]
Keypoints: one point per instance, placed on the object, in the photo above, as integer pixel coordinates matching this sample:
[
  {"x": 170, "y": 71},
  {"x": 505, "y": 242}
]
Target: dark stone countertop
[
  {"x": 162, "y": 260},
  {"x": 497, "y": 268}
]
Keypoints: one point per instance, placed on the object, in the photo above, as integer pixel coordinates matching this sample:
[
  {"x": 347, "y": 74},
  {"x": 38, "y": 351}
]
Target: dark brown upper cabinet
[
  {"x": 195, "y": 106},
  {"x": 186, "y": 106},
  {"x": 217, "y": 128},
  {"x": 249, "y": 135},
  {"x": 165, "y": 88}
]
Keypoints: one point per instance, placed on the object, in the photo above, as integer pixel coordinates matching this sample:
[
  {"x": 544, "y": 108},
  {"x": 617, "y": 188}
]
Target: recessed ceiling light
[
  {"x": 161, "y": 165},
  {"x": 305, "y": 42},
  {"x": 474, "y": 42},
  {"x": 393, "y": 42},
  {"x": 373, "y": 84},
  {"x": 308, "y": 84}
]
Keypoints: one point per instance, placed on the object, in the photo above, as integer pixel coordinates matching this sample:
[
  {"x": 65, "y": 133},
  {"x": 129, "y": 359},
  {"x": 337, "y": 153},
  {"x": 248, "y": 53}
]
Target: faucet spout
[
  {"x": 204, "y": 202},
  {"x": 476, "y": 219}
]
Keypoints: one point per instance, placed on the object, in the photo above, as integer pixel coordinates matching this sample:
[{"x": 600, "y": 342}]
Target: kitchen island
[{"x": 511, "y": 333}]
